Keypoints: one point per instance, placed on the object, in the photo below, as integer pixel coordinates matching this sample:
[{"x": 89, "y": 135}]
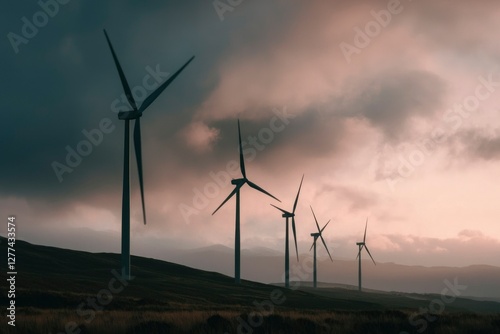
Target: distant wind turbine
[
  {"x": 288, "y": 215},
  {"x": 238, "y": 183},
  {"x": 133, "y": 114},
  {"x": 316, "y": 236},
  {"x": 362, "y": 245}
]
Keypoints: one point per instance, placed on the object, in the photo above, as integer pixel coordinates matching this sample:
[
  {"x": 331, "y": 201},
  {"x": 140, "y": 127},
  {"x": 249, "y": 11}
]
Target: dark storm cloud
[
  {"x": 262, "y": 56},
  {"x": 474, "y": 144},
  {"x": 68, "y": 74},
  {"x": 391, "y": 100},
  {"x": 63, "y": 81}
]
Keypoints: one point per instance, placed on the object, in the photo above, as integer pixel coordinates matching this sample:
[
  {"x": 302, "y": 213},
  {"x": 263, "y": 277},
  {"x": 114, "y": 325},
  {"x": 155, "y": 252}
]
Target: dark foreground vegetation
[{"x": 149, "y": 322}]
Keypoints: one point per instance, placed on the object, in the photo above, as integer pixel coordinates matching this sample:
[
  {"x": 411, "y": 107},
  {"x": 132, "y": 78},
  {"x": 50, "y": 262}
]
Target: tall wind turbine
[
  {"x": 362, "y": 245},
  {"x": 287, "y": 215},
  {"x": 134, "y": 114},
  {"x": 238, "y": 183},
  {"x": 316, "y": 236}
]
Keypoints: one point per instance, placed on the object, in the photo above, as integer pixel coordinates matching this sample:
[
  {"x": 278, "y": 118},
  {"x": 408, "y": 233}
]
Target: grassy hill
[{"x": 56, "y": 287}]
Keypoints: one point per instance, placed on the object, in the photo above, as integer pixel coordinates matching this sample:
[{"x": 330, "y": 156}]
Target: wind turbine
[
  {"x": 287, "y": 215},
  {"x": 362, "y": 245},
  {"x": 316, "y": 236},
  {"x": 134, "y": 114},
  {"x": 238, "y": 183}
]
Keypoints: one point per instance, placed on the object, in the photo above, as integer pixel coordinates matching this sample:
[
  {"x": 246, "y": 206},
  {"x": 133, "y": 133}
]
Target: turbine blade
[
  {"x": 152, "y": 97},
  {"x": 317, "y": 225},
  {"x": 256, "y": 187},
  {"x": 125, "y": 85},
  {"x": 298, "y": 193},
  {"x": 324, "y": 227},
  {"x": 242, "y": 160},
  {"x": 366, "y": 225},
  {"x": 370, "y": 254},
  {"x": 228, "y": 197},
  {"x": 312, "y": 244},
  {"x": 324, "y": 243},
  {"x": 359, "y": 252},
  {"x": 285, "y": 212},
  {"x": 295, "y": 237},
  {"x": 138, "y": 157}
]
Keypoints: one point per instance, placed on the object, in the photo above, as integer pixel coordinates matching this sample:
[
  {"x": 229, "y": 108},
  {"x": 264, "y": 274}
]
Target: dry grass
[{"x": 30, "y": 320}]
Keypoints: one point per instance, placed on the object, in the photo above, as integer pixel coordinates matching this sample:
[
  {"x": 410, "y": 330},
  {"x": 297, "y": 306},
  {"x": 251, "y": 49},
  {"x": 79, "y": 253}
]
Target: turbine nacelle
[
  {"x": 315, "y": 235},
  {"x": 239, "y": 182},
  {"x": 130, "y": 114},
  {"x": 360, "y": 243}
]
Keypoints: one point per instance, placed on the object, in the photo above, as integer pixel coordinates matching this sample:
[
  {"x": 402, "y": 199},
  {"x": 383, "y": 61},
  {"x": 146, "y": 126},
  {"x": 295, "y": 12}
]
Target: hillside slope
[{"x": 50, "y": 277}]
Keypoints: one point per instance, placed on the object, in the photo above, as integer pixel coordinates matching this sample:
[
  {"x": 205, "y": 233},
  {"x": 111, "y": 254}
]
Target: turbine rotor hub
[
  {"x": 131, "y": 114},
  {"x": 238, "y": 182}
]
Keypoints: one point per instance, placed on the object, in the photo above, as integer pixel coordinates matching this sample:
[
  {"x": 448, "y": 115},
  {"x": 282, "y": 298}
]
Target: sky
[{"x": 389, "y": 108}]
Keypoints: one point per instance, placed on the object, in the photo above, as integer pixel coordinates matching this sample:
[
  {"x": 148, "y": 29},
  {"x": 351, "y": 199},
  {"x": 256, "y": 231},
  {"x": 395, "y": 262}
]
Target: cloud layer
[{"x": 358, "y": 128}]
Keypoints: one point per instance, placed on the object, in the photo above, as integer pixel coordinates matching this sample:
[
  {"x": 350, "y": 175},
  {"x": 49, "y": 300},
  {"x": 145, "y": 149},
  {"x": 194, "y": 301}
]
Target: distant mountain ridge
[
  {"x": 483, "y": 281},
  {"x": 49, "y": 268}
]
